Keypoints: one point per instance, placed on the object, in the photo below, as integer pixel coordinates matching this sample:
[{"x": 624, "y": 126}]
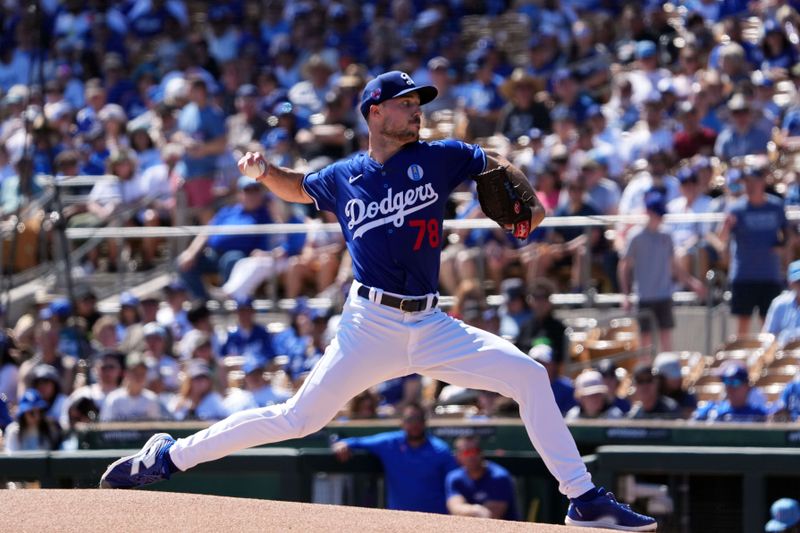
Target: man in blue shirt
[
  {"x": 756, "y": 227},
  {"x": 783, "y": 315},
  {"x": 218, "y": 253},
  {"x": 201, "y": 128},
  {"x": 479, "y": 488},
  {"x": 735, "y": 407},
  {"x": 247, "y": 338},
  {"x": 415, "y": 463}
]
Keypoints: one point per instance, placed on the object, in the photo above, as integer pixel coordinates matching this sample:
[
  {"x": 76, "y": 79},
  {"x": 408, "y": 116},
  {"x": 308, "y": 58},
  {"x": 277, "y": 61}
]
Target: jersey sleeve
[
  {"x": 373, "y": 443},
  {"x": 321, "y": 187},
  {"x": 463, "y": 161},
  {"x": 452, "y": 485}
]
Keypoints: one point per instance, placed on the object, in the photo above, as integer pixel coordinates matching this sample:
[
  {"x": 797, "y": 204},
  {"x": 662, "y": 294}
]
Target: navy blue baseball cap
[
  {"x": 655, "y": 201},
  {"x": 391, "y": 85}
]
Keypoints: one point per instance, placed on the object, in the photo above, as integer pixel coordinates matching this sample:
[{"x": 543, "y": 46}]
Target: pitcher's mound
[{"x": 165, "y": 512}]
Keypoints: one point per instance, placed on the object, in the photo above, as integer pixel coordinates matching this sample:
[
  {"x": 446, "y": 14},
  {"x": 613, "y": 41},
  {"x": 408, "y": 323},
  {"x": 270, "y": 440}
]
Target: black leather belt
[{"x": 407, "y": 305}]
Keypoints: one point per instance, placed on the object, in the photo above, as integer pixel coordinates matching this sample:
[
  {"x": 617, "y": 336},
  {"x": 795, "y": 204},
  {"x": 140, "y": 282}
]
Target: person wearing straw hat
[{"x": 523, "y": 111}]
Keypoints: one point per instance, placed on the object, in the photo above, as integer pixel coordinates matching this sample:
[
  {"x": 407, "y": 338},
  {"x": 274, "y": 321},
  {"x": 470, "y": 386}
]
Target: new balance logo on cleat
[{"x": 149, "y": 465}]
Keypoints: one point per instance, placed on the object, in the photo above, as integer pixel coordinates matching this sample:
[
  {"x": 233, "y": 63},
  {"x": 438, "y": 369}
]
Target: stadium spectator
[
  {"x": 247, "y": 124},
  {"x": 736, "y": 407},
  {"x": 258, "y": 390},
  {"x": 481, "y": 97},
  {"x": 47, "y": 382},
  {"x": 197, "y": 399},
  {"x": 201, "y": 131},
  {"x": 515, "y": 310},
  {"x": 47, "y": 353},
  {"x": 128, "y": 316},
  {"x": 247, "y": 338},
  {"x": 787, "y": 406},
  {"x": 31, "y": 429},
  {"x": 649, "y": 400},
  {"x": 743, "y": 135},
  {"x": 689, "y": 239},
  {"x": 783, "y": 315},
  {"x": 363, "y": 406},
  {"x": 219, "y": 253},
  {"x": 106, "y": 376},
  {"x": 543, "y": 324},
  {"x": 785, "y": 516},
  {"x": 9, "y": 369},
  {"x": 523, "y": 111},
  {"x": 755, "y": 228},
  {"x": 591, "y": 393},
  {"x": 158, "y": 351},
  {"x": 148, "y": 312},
  {"x": 441, "y": 77},
  {"x": 650, "y": 255},
  {"x": 608, "y": 369},
  {"x": 132, "y": 401},
  {"x": 86, "y": 305},
  {"x": 415, "y": 463},
  {"x": 603, "y": 193},
  {"x": 667, "y": 367},
  {"x": 479, "y": 488},
  {"x": 104, "y": 335},
  {"x": 692, "y": 138},
  {"x": 173, "y": 316},
  {"x": 563, "y": 390}
]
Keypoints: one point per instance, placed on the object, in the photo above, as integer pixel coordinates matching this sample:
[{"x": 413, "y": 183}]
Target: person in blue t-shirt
[
  {"x": 480, "y": 488},
  {"x": 201, "y": 128},
  {"x": 735, "y": 407},
  {"x": 248, "y": 338},
  {"x": 218, "y": 253},
  {"x": 756, "y": 228},
  {"x": 415, "y": 463}
]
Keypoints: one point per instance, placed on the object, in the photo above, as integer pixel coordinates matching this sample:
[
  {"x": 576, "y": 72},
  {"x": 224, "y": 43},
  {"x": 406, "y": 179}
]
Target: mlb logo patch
[{"x": 375, "y": 94}]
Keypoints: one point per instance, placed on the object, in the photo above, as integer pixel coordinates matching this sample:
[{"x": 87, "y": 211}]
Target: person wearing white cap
[{"x": 591, "y": 392}]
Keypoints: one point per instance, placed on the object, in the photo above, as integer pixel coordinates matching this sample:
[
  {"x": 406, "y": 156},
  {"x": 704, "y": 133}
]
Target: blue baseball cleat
[
  {"x": 605, "y": 511},
  {"x": 148, "y": 465}
]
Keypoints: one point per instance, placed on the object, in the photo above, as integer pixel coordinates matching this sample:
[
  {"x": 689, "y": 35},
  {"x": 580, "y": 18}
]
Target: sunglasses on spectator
[
  {"x": 470, "y": 452},
  {"x": 414, "y": 419}
]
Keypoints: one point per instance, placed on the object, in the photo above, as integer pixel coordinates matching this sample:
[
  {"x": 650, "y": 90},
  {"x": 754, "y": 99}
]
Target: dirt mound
[{"x": 115, "y": 510}]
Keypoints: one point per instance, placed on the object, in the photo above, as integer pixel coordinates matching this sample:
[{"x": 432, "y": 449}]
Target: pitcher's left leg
[{"x": 452, "y": 351}]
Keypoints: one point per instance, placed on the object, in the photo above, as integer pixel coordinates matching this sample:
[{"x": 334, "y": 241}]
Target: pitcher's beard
[{"x": 403, "y": 136}]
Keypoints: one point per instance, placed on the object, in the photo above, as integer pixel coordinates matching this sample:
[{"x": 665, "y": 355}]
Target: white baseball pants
[{"x": 375, "y": 343}]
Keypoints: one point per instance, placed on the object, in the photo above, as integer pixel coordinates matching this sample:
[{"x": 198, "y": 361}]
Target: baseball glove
[{"x": 505, "y": 202}]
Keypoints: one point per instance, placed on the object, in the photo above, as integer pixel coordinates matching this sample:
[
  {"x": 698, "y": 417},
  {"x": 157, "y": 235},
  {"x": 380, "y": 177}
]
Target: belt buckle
[{"x": 403, "y": 305}]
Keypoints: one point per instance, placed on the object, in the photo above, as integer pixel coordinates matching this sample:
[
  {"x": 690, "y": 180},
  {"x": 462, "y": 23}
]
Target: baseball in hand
[
  {"x": 251, "y": 166},
  {"x": 255, "y": 169}
]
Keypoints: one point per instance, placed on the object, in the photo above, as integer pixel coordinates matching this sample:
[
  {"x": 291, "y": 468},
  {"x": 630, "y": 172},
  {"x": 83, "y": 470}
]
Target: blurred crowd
[{"x": 613, "y": 107}]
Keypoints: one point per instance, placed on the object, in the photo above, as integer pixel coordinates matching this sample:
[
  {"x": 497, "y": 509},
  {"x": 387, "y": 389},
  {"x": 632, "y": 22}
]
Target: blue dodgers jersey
[
  {"x": 391, "y": 214},
  {"x": 495, "y": 485}
]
